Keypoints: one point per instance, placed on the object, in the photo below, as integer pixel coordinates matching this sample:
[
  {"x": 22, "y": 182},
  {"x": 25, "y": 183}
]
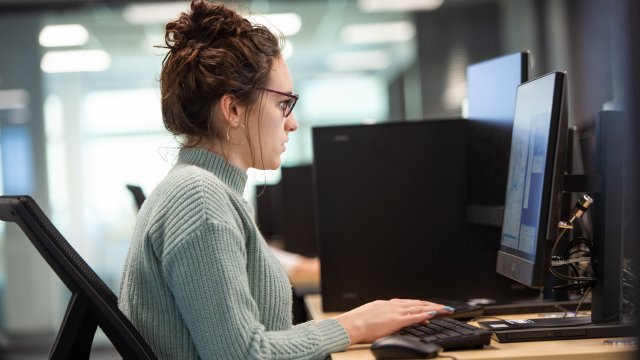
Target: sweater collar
[{"x": 231, "y": 175}]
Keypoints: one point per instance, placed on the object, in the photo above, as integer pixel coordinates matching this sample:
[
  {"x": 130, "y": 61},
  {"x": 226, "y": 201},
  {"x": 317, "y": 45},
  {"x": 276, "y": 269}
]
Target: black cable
[
  {"x": 574, "y": 242},
  {"x": 572, "y": 287},
  {"x": 570, "y": 278},
  {"x": 574, "y": 269},
  {"x": 582, "y": 240},
  {"x": 586, "y": 252},
  {"x": 628, "y": 273},
  {"x": 628, "y": 290},
  {"x": 571, "y": 246},
  {"x": 580, "y": 278}
]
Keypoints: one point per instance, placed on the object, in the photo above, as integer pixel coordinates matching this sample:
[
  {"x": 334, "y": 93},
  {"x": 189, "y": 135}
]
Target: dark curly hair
[{"x": 213, "y": 51}]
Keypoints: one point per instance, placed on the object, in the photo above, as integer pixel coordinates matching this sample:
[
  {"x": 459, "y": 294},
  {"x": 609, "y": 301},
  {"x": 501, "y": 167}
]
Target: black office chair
[
  {"x": 138, "y": 195},
  {"x": 92, "y": 303}
]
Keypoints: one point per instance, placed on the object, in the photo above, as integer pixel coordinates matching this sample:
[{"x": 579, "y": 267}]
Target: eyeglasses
[{"x": 288, "y": 104}]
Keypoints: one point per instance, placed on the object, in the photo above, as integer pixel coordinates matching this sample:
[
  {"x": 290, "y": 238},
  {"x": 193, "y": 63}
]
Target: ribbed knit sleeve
[{"x": 207, "y": 275}]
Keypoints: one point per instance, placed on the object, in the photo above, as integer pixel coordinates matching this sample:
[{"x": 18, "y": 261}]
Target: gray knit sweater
[{"x": 200, "y": 281}]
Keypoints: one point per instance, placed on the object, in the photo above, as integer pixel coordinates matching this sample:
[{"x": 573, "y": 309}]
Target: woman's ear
[{"x": 230, "y": 110}]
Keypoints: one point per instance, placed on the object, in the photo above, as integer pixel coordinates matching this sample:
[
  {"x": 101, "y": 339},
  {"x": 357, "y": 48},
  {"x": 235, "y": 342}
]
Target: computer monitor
[
  {"x": 535, "y": 180},
  {"x": 532, "y": 206},
  {"x": 491, "y": 96}
]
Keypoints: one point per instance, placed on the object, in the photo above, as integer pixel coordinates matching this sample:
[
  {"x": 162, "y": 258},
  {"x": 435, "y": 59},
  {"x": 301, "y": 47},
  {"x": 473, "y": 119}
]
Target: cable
[
  {"x": 569, "y": 261},
  {"x": 489, "y": 317},
  {"x": 565, "y": 311},
  {"x": 582, "y": 279},
  {"x": 577, "y": 252},
  {"x": 582, "y": 300},
  {"x": 447, "y": 357},
  {"x": 579, "y": 208},
  {"x": 629, "y": 273},
  {"x": 628, "y": 288}
]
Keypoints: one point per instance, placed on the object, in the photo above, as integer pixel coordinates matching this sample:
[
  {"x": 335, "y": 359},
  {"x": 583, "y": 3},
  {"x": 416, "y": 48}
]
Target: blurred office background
[{"x": 80, "y": 113}]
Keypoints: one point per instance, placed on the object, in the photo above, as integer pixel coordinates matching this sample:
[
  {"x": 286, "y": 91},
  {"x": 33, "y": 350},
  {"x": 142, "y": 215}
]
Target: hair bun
[{"x": 206, "y": 23}]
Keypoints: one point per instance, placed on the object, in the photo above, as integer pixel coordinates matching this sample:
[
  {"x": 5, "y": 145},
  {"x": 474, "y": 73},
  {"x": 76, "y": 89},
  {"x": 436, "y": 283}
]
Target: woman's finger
[{"x": 439, "y": 309}]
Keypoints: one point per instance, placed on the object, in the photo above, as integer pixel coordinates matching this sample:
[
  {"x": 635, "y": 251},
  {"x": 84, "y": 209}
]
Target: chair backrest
[
  {"x": 138, "y": 195},
  {"x": 92, "y": 303}
]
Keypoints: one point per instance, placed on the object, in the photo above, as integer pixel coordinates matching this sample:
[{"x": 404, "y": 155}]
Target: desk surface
[
  {"x": 305, "y": 280},
  {"x": 584, "y": 349}
]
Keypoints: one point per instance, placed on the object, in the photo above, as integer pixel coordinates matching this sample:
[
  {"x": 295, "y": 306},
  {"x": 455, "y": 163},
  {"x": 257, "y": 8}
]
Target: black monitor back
[
  {"x": 390, "y": 214},
  {"x": 269, "y": 212},
  {"x": 299, "y": 228}
]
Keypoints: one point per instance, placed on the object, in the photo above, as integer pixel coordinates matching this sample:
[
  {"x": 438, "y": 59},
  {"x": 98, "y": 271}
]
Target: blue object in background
[{"x": 17, "y": 159}]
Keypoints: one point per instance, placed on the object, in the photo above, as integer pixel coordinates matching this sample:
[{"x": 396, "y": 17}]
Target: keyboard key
[{"x": 449, "y": 334}]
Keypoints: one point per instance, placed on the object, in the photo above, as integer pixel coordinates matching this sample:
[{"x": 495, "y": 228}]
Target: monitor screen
[
  {"x": 492, "y": 84},
  {"x": 534, "y": 181}
]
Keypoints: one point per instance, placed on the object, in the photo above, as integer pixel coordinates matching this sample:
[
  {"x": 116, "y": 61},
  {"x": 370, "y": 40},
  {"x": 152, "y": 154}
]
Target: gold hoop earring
[
  {"x": 244, "y": 128},
  {"x": 229, "y": 137}
]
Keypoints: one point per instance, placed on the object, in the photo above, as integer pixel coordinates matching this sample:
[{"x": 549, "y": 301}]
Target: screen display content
[{"x": 534, "y": 180}]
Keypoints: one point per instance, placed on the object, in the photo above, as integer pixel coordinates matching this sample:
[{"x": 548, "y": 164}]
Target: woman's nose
[{"x": 291, "y": 123}]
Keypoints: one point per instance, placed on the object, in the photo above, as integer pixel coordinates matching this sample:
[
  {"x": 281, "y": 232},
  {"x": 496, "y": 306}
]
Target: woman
[{"x": 200, "y": 281}]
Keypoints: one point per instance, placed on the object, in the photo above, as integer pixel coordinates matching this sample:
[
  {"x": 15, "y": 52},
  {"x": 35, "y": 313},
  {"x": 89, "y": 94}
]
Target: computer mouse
[{"x": 403, "y": 347}]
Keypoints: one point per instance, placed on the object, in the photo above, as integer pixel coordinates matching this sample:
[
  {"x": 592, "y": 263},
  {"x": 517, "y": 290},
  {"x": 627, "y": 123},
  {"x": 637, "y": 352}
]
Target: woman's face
[{"x": 268, "y": 128}]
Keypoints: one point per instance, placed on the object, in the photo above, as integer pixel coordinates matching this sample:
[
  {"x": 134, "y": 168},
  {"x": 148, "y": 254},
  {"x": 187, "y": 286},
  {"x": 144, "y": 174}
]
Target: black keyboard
[{"x": 449, "y": 334}]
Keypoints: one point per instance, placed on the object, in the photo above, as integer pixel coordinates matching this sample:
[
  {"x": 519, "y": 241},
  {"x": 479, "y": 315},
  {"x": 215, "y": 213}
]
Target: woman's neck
[{"x": 229, "y": 152}]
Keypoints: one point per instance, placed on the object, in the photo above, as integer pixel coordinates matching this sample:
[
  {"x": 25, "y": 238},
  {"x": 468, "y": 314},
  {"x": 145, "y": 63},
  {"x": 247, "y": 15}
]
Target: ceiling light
[
  {"x": 63, "y": 35},
  {"x": 399, "y": 5},
  {"x": 358, "y": 61},
  {"x": 160, "y": 13},
  {"x": 397, "y": 31},
  {"x": 75, "y": 61},
  {"x": 286, "y": 23},
  {"x": 154, "y": 13}
]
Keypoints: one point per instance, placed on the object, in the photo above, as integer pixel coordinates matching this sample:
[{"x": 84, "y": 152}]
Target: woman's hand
[{"x": 381, "y": 318}]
